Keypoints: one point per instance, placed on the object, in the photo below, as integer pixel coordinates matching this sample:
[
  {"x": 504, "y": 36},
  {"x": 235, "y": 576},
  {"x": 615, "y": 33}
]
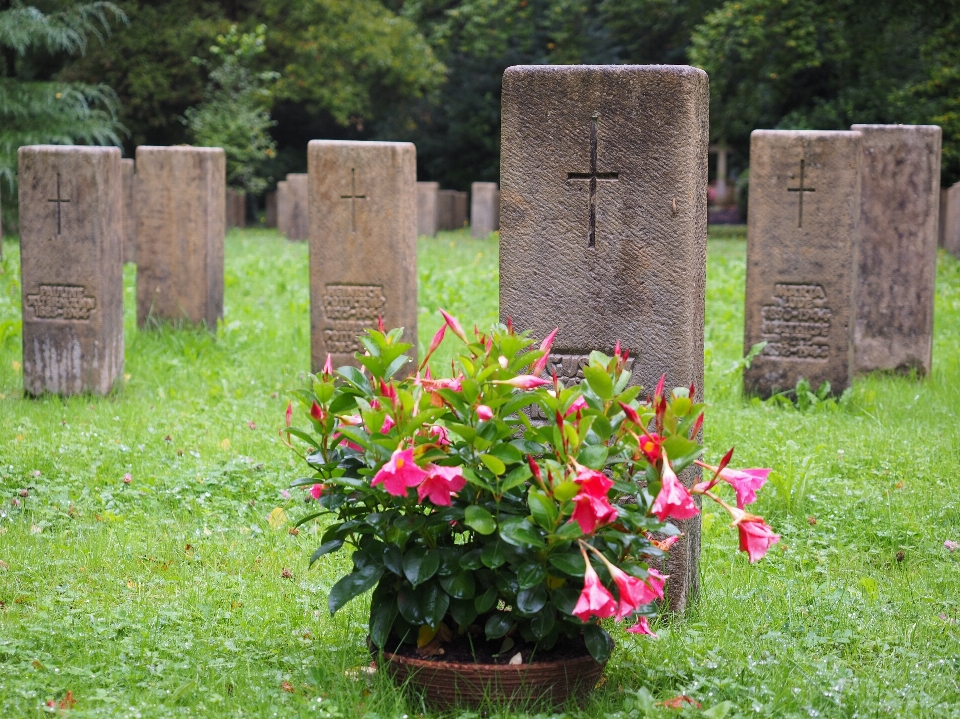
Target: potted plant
[{"x": 496, "y": 547}]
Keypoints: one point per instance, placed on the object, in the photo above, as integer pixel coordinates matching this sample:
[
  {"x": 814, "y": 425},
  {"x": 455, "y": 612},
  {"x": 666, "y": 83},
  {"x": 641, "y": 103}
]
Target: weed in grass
[{"x": 166, "y": 597}]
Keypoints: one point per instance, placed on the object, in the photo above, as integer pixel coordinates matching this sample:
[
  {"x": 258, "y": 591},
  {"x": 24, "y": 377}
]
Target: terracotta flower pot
[{"x": 448, "y": 684}]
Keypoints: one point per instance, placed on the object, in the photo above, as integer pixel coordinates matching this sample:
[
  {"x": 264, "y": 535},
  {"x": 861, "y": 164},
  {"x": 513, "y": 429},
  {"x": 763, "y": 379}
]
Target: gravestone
[
  {"x": 71, "y": 259},
  {"x": 451, "y": 209},
  {"x": 128, "y": 178},
  {"x": 283, "y": 208},
  {"x": 363, "y": 244},
  {"x": 604, "y": 226},
  {"x": 950, "y": 219},
  {"x": 427, "y": 208},
  {"x": 484, "y": 208},
  {"x": 897, "y": 250},
  {"x": 181, "y": 217},
  {"x": 802, "y": 258},
  {"x": 298, "y": 222},
  {"x": 236, "y": 203},
  {"x": 271, "y": 209}
]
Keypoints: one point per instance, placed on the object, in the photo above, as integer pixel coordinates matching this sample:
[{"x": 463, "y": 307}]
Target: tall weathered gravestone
[
  {"x": 181, "y": 217},
  {"x": 950, "y": 219},
  {"x": 484, "y": 208},
  {"x": 71, "y": 259},
  {"x": 283, "y": 208},
  {"x": 128, "y": 176},
  {"x": 451, "y": 209},
  {"x": 363, "y": 244},
  {"x": 802, "y": 258},
  {"x": 897, "y": 251},
  {"x": 236, "y": 204},
  {"x": 298, "y": 218},
  {"x": 427, "y": 208},
  {"x": 271, "y": 209},
  {"x": 604, "y": 225}
]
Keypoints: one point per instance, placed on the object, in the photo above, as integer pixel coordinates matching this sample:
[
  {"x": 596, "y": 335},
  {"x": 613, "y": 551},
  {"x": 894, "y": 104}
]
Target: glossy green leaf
[
  {"x": 419, "y": 564},
  {"x": 459, "y": 585},
  {"x": 326, "y": 548},
  {"x": 520, "y": 533},
  {"x": 498, "y": 625},
  {"x": 598, "y": 642},
  {"x": 494, "y": 464},
  {"x": 479, "y": 519},
  {"x": 599, "y": 381},
  {"x": 532, "y": 600},
  {"x": 530, "y": 574},
  {"x": 486, "y": 601},
  {"x": 433, "y": 603},
  {"x": 593, "y": 456},
  {"x": 543, "y": 508},
  {"x": 353, "y": 585},
  {"x": 570, "y": 563},
  {"x": 462, "y": 611},
  {"x": 471, "y": 560},
  {"x": 493, "y": 555},
  {"x": 542, "y": 623}
]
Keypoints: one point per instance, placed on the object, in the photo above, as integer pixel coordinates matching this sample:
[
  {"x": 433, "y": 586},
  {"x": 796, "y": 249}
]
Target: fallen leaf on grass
[
  {"x": 4, "y": 565},
  {"x": 277, "y": 518},
  {"x": 288, "y": 687},
  {"x": 286, "y": 573},
  {"x": 679, "y": 702},
  {"x": 225, "y": 443},
  {"x": 16, "y": 366}
]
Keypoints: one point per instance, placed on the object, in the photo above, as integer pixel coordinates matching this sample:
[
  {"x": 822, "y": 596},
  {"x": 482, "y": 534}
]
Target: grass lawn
[{"x": 174, "y": 595}]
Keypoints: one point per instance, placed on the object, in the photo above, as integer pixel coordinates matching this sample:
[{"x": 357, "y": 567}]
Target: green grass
[{"x": 166, "y": 596}]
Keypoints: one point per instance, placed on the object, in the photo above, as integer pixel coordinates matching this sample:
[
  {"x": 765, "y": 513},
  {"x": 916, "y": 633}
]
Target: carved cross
[
  {"x": 353, "y": 197},
  {"x": 592, "y": 178},
  {"x": 801, "y": 190},
  {"x": 59, "y": 200}
]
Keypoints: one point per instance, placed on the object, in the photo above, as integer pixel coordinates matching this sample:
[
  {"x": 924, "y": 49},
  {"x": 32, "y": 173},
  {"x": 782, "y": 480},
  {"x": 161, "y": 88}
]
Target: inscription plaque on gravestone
[
  {"x": 897, "y": 251},
  {"x": 71, "y": 241},
  {"x": 603, "y": 226},
  {"x": 801, "y": 258},
  {"x": 128, "y": 175},
  {"x": 363, "y": 244},
  {"x": 427, "y": 208},
  {"x": 181, "y": 218},
  {"x": 298, "y": 218},
  {"x": 484, "y": 208}
]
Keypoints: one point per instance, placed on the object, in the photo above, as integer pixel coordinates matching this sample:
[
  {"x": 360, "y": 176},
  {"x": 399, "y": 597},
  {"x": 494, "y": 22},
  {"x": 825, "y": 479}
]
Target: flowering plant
[{"x": 466, "y": 518}]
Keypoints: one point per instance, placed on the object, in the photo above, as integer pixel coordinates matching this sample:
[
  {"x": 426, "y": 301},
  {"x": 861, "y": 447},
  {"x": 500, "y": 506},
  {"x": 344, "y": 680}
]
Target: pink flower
[
  {"x": 541, "y": 364},
  {"x": 288, "y": 416},
  {"x": 316, "y": 411},
  {"x": 595, "y": 600},
  {"x": 642, "y": 627},
  {"x": 951, "y": 545},
  {"x": 434, "y": 343},
  {"x": 674, "y": 500},
  {"x": 634, "y": 593},
  {"x": 387, "y": 425},
  {"x": 443, "y": 436},
  {"x": 316, "y": 490},
  {"x": 328, "y": 365},
  {"x": 484, "y": 412},
  {"x": 351, "y": 420},
  {"x": 756, "y": 537},
  {"x": 592, "y": 506},
  {"x": 454, "y": 326},
  {"x": 631, "y": 414},
  {"x": 524, "y": 381},
  {"x": 745, "y": 482},
  {"x": 650, "y": 445},
  {"x": 578, "y": 404},
  {"x": 399, "y": 473},
  {"x": 285, "y": 494},
  {"x": 440, "y": 483},
  {"x": 655, "y": 581}
]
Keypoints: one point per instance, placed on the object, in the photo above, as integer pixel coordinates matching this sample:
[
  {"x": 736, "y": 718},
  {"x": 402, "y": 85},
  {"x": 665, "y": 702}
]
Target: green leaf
[
  {"x": 520, "y": 533},
  {"x": 419, "y": 564},
  {"x": 471, "y": 560},
  {"x": 593, "y": 456},
  {"x": 565, "y": 599},
  {"x": 681, "y": 452},
  {"x": 493, "y": 555},
  {"x": 532, "y": 600},
  {"x": 530, "y": 574},
  {"x": 542, "y": 622},
  {"x": 568, "y": 531},
  {"x": 433, "y": 604},
  {"x": 479, "y": 519},
  {"x": 543, "y": 509},
  {"x": 382, "y": 616},
  {"x": 462, "y": 611},
  {"x": 498, "y": 625},
  {"x": 566, "y": 490},
  {"x": 507, "y": 452},
  {"x": 355, "y": 377},
  {"x": 486, "y": 601},
  {"x": 598, "y": 642},
  {"x": 599, "y": 381},
  {"x": 393, "y": 559},
  {"x": 516, "y": 477},
  {"x": 570, "y": 563},
  {"x": 394, "y": 366},
  {"x": 409, "y": 606},
  {"x": 326, "y": 548},
  {"x": 494, "y": 464},
  {"x": 353, "y": 585},
  {"x": 718, "y": 711},
  {"x": 459, "y": 585}
]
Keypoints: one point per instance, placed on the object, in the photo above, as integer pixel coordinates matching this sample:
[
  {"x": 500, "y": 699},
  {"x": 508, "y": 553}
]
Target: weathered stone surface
[
  {"x": 427, "y": 208},
  {"x": 283, "y": 208},
  {"x": 484, "y": 208},
  {"x": 897, "y": 250},
  {"x": 298, "y": 218},
  {"x": 802, "y": 258},
  {"x": 271, "y": 209},
  {"x": 451, "y": 209},
  {"x": 363, "y": 244},
  {"x": 71, "y": 259},
  {"x": 128, "y": 178},
  {"x": 181, "y": 217},
  {"x": 950, "y": 219},
  {"x": 604, "y": 225},
  {"x": 236, "y": 204}
]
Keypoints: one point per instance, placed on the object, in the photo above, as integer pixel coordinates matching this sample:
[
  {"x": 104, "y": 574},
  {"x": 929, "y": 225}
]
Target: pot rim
[{"x": 497, "y": 668}]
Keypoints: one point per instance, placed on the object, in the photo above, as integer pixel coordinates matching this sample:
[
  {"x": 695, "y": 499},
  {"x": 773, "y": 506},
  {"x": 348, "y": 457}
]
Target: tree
[
  {"x": 234, "y": 113},
  {"x": 37, "y": 110}
]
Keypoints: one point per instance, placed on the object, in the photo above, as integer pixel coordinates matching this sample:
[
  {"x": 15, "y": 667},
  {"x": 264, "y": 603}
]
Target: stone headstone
[
  {"x": 271, "y": 209},
  {"x": 363, "y": 244},
  {"x": 604, "y": 226},
  {"x": 236, "y": 203},
  {"x": 950, "y": 219},
  {"x": 897, "y": 251},
  {"x": 128, "y": 178},
  {"x": 451, "y": 209},
  {"x": 283, "y": 208},
  {"x": 801, "y": 258},
  {"x": 427, "y": 208},
  {"x": 71, "y": 258},
  {"x": 181, "y": 218},
  {"x": 484, "y": 208},
  {"x": 298, "y": 222}
]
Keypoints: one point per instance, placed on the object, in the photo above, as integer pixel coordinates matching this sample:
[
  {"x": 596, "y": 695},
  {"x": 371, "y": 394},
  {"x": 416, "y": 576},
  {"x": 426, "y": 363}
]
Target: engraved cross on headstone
[
  {"x": 593, "y": 177},
  {"x": 59, "y": 200},
  {"x": 801, "y": 190},
  {"x": 353, "y": 197}
]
